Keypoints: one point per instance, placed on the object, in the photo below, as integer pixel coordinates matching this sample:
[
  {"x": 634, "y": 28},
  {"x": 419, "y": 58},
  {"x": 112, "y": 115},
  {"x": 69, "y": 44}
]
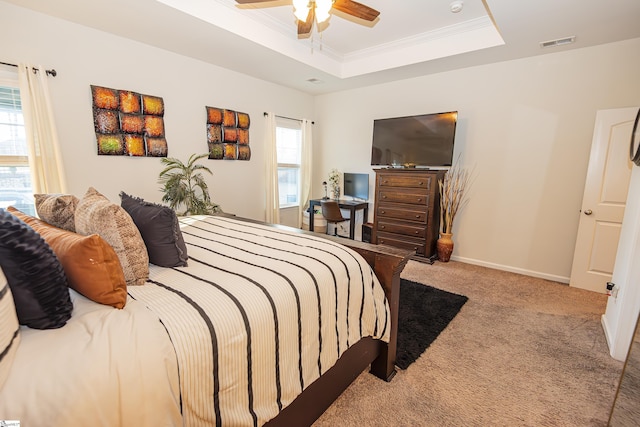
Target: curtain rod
[
  {"x": 288, "y": 118},
  {"x": 51, "y": 72}
]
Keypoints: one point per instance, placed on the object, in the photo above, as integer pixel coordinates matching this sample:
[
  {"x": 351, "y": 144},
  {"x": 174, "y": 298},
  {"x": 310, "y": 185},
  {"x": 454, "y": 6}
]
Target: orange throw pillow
[{"x": 90, "y": 264}]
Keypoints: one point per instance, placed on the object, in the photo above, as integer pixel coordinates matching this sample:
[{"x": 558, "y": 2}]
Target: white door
[{"x": 604, "y": 200}]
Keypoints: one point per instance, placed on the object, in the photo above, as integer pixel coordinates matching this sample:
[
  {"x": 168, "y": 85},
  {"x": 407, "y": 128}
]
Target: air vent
[
  {"x": 558, "y": 42},
  {"x": 315, "y": 81}
]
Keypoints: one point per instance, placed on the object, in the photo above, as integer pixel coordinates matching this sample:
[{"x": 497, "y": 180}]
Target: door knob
[{"x": 588, "y": 212}]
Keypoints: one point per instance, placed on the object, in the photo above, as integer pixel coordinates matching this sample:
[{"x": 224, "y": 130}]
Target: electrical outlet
[{"x": 614, "y": 291}]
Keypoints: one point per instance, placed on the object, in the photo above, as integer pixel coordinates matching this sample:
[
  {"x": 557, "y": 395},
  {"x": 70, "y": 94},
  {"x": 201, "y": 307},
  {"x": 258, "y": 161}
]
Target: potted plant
[
  {"x": 184, "y": 185},
  {"x": 334, "y": 182},
  {"x": 452, "y": 197}
]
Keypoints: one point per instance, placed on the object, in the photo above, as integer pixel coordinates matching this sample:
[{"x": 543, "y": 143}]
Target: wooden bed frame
[{"x": 387, "y": 263}]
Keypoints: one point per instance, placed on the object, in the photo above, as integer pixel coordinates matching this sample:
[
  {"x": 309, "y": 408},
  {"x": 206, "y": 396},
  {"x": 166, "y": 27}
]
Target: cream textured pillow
[
  {"x": 9, "y": 329},
  {"x": 57, "y": 209},
  {"x": 95, "y": 214}
]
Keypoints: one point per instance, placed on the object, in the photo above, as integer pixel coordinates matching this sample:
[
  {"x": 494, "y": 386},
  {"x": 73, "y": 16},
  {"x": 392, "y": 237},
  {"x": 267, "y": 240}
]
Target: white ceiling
[
  {"x": 410, "y": 37},
  {"x": 407, "y": 34}
]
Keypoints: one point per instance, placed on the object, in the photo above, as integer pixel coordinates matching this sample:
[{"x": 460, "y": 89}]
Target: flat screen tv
[
  {"x": 415, "y": 141},
  {"x": 356, "y": 185}
]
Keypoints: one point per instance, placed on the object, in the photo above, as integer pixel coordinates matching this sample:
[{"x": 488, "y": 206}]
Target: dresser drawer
[
  {"x": 415, "y": 215},
  {"x": 407, "y": 209},
  {"x": 389, "y": 195},
  {"x": 417, "y": 245},
  {"x": 410, "y": 181},
  {"x": 407, "y": 230}
]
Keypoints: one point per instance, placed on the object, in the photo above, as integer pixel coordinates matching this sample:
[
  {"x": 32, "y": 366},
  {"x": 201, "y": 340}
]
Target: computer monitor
[{"x": 356, "y": 185}]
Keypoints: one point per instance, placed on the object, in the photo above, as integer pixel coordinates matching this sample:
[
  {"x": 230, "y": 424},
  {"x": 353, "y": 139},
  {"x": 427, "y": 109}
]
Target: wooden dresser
[{"x": 407, "y": 209}]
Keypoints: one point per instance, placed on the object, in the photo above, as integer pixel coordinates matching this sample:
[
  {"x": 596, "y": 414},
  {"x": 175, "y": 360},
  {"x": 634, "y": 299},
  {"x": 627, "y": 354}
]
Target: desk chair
[{"x": 332, "y": 214}]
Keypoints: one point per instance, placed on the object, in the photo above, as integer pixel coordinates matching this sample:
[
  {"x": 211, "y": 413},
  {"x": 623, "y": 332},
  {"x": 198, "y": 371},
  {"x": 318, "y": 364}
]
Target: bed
[{"x": 266, "y": 325}]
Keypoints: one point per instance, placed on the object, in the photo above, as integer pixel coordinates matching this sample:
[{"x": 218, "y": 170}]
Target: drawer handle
[
  {"x": 421, "y": 183},
  {"x": 417, "y": 216},
  {"x": 385, "y": 181},
  {"x": 382, "y": 242},
  {"x": 419, "y": 200},
  {"x": 384, "y": 197},
  {"x": 417, "y": 232},
  {"x": 382, "y": 212},
  {"x": 382, "y": 227},
  {"x": 415, "y": 248}
]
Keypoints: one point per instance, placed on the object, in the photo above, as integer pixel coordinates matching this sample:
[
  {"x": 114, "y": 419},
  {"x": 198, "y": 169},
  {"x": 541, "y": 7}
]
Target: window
[
  {"x": 15, "y": 179},
  {"x": 289, "y": 148}
]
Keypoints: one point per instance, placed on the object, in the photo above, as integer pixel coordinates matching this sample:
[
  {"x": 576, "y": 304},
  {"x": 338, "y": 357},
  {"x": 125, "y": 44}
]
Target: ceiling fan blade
[
  {"x": 305, "y": 27},
  {"x": 356, "y": 9},
  {"x": 251, "y": 1}
]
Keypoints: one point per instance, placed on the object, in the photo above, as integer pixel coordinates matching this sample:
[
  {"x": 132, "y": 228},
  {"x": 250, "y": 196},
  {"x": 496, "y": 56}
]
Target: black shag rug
[{"x": 424, "y": 313}]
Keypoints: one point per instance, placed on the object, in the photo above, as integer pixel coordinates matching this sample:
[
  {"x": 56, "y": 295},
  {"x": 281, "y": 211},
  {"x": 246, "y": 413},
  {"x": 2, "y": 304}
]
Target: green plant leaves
[{"x": 184, "y": 186}]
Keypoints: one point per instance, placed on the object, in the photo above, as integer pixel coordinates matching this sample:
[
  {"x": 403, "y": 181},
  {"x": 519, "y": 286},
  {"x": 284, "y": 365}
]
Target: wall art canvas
[
  {"x": 128, "y": 123},
  {"x": 228, "y": 134}
]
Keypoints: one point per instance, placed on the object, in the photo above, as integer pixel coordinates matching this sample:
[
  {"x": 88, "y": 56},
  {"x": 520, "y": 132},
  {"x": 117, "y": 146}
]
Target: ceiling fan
[{"x": 308, "y": 11}]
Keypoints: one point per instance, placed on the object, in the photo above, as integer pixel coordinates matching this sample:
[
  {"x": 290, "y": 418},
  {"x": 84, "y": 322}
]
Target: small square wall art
[
  {"x": 228, "y": 134},
  {"x": 128, "y": 123}
]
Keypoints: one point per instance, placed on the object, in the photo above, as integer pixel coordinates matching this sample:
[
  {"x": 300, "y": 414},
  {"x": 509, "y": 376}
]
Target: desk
[{"x": 351, "y": 205}]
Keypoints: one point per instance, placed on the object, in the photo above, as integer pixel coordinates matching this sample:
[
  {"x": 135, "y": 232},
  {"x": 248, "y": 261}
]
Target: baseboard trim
[
  {"x": 539, "y": 275},
  {"x": 607, "y": 333}
]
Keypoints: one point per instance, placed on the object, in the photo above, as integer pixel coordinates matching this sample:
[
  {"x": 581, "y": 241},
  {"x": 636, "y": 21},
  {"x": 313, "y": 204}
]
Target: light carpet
[{"x": 521, "y": 352}]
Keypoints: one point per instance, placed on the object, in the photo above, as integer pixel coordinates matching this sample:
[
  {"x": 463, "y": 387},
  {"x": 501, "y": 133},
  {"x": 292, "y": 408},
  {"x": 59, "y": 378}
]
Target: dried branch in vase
[{"x": 453, "y": 195}]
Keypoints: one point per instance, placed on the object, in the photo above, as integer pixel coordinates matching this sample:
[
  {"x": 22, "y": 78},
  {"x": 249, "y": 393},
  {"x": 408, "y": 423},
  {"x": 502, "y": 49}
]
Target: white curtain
[
  {"x": 45, "y": 159},
  {"x": 271, "y": 171},
  {"x": 305, "y": 168}
]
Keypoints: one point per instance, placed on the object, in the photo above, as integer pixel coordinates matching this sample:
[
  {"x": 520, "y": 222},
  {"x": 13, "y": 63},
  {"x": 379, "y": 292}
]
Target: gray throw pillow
[
  {"x": 160, "y": 231},
  {"x": 57, "y": 209}
]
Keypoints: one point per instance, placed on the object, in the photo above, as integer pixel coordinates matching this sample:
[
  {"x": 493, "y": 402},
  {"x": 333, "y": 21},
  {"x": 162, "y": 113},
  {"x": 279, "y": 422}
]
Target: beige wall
[
  {"x": 525, "y": 127},
  {"x": 83, "y": 57}
]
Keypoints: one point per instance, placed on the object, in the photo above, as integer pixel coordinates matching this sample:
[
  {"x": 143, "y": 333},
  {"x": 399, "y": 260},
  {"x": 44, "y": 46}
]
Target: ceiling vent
[
  {"x": 558, "y": 42},
  {"x": 315, "y": 81}
]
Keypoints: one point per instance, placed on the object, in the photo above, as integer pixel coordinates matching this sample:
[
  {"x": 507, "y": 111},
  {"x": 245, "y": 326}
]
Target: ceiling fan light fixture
[
  {"x": 323, "y": 7},
  {"x": 301, "y": 9}
]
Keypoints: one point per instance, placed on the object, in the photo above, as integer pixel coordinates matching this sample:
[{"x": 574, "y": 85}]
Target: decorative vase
[
  {"x": 444, "y": 246},
  {"x": 336, "y": 192}
]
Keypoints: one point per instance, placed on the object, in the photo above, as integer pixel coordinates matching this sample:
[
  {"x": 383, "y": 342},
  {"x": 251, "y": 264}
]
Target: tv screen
[
  {"x": 356, "y": 185},
  {"x": 424, "y": 140}
]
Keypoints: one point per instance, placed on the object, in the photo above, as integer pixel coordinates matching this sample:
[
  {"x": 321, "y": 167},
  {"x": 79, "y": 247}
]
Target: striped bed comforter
[{"x": 258, "y": 315}]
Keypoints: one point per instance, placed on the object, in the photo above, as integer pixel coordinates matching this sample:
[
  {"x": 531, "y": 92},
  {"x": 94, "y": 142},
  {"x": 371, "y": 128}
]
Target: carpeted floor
[{"x": 521, "y": 352}]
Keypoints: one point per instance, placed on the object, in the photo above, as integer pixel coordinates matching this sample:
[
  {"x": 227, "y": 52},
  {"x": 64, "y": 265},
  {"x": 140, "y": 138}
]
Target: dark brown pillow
[
  {"x": 160, "y": 231},
  {"x": 34, "y": 274},
  {"x": 90, "y": 264}
]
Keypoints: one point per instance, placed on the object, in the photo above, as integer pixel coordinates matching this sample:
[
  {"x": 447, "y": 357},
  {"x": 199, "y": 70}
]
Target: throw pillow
[
  {"x": 160, "y": 231},
  {"x": 36, "y": 277},
  {"x": 9, "y": 329},
  {"x": 95, "y": 214},
  {"x": 90, "y": 264},
  {"x": 57, "y": 209}
]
